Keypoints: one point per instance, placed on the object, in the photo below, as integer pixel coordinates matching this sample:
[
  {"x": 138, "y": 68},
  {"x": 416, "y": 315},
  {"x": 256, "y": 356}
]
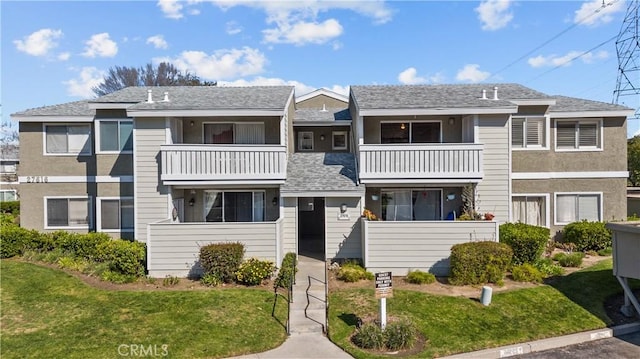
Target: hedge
[
  {"x": 527, "y": 241},
  {"x": 11, "y": 207},
  {"x": 479, "y": 262},
  {"x": 587, "y": 236},
  {"x": 222, "y": 260}
]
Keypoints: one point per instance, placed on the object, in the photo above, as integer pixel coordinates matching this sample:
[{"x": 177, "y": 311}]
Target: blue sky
[{"x": 56, "y": 51}]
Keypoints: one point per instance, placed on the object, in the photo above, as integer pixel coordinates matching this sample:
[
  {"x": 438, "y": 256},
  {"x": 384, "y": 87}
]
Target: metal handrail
[{"x": 324, "y": 326}]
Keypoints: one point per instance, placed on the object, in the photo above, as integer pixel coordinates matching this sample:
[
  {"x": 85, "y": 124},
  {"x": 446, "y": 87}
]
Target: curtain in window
[
  {"x": 426, "y": 205},
  {"x": 588, "y": 207},
  {"x": 258, "y": 206},
  {"x": 126, "y": 136},
  {"x": 218, "y": 133},
  {"x": 535, "y": 211},
  {"x": 79, "y": 139},
  {"x": 57, "y": 212},
  {"x": 78, "y": 212},
  {"x": 566, "y": 208},
  {"x": 213, "y": 206},
  {"x": 397, "y": 206},
  {"x": 252, "y": 133},
  {"x": 110, "y": 214},
  {"x": 56, "y": 139}
]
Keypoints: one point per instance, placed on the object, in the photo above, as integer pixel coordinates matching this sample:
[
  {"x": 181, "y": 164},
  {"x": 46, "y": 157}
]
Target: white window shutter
[{"x": 517, "y": 136}]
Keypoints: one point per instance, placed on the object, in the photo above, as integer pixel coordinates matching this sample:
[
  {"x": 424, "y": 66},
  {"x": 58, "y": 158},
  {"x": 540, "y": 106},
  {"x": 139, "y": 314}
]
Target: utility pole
[{"x": 628, "y": 49}]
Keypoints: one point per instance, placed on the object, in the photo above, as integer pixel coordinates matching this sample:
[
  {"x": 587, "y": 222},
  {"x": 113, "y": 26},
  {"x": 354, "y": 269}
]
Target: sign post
[{"x": 384, "y": 290}]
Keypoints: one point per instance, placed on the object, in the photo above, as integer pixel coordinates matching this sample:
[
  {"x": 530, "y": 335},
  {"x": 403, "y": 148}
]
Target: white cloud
[
  {"x": 39, "y": 43},
  {"x": 100, "y": 45},
  {"x": 566, "y": 59},
  {"x": 302, "y": 32},
  {"x": 233, "y": 28},
  {"x": 88, "y": 78},
  {"x": 158, "y": 42},
  {"x": 171, "y": 8},
  {"x": 471, "y": 73},
  {"x": 64, "y": 56},
  {"x": 336, "y": 45},
  {"x": 410, "y": 77},
  {"x": 437, "y": 78},
  {"x": 494, "y": 14},
  {"x": 591, "y": 13},
  {"x": 222, "y": 64}
]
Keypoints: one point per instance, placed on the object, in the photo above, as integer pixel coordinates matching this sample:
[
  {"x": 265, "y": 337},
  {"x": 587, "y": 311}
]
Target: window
[
  {"x": 115, "y": 136},
  {"x": 578, "y": 135},
  {"x": 116, "y": 214},
  {"x": 234, "y": 206},
  {"x": 305, "y": 141},
  {"x": 528, "y": 132},
  {"x": 529, "y": 210},
  {"x": 234, "y": 133},
  {"x": 68, "y": 139},
  {"x": 572, "y": 207},
  {"x": 410, "y": 132},
  {"x": 8, "y": 195},
  {"x": 339, "y": 140},
  {"x": 412, "y": 205},
  {"x": 72, "y": 212}
]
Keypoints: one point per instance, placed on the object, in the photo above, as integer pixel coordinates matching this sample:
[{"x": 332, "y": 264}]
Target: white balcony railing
[
  {"x": 421, "y": 161},
  {"x": 186, "y": 162}
]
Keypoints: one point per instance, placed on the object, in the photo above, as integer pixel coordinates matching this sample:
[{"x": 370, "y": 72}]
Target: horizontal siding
[
  {"x": 493, "y": 190},
  {"x": 289, "y": 226},
  {"x": 402, "y": 246},
  {"x": 174, "y": 248},
  {"x": 343, "y": 236},
  {"x": 151, "y": 198}
]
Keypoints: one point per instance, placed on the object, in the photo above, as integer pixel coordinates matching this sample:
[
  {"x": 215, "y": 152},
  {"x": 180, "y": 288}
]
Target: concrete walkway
[{"x": 307, "y": 339}]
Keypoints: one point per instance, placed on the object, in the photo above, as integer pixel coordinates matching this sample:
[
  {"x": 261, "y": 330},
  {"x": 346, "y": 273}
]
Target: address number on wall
[{"x": 37, "y": 179}]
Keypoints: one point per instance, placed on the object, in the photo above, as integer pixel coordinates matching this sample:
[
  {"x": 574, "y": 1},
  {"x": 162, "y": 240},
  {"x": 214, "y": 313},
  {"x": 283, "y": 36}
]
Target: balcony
[
  {"x": 217, "y": 164},
  {"x": 433, "y": 162}
]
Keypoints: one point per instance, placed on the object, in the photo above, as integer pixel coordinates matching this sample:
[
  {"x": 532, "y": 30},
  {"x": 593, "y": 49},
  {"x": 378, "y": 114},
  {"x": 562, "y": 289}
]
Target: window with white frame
[
  {"x": 529, "y": 210},
  {"x": 8, "y": 195},
  {"x": 234, "y": 133},
  {"x": 528, "y": 132},
  {"x": 305, "y": 141},
  {"x": 339, "y": 140},
  {"x": 67, "y": 212},
  {"x": 410, "y": 132},
  {"x": 412, "y": 205},
  {"x": 116, "y": 214},
  {"x": 115, "y": 136},
  {"x": 68, "y": 139},
  {"x": 578, "y": 135},
  {"x": 231, "y": 206},
  {"x": 572, "y": 207}
]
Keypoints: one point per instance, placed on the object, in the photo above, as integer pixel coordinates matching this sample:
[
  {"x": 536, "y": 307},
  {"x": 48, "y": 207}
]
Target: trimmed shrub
[
  {"x": 369, "y": 336},
  {"x": 527, "y": 242},
  {"x": 12, "y": 240},
  {"x": 479, "y": 262},
  {"x": 254, "y": 271},
  {"x": 419, "y": 277},
  {"x": 587, "y": 236},
  {"x": 569, "y": 259},
  {"x": 222, "y": 259},
  {"x": 123, "y": 256},
  {"x": 81, "y": 245},
  {"x": 399, "y": 335},
  {"x": 526, "y": 273},
  {"x": 353, "y": 272},
  {"x": 287, "y": 271},
  {"x": 10, "y": 207},
  {"x": 548, "y": 268}
]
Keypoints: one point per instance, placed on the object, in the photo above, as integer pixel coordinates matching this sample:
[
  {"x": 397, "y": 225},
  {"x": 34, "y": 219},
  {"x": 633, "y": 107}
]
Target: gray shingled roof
[
  {"x": 315, "y": 115},
  {"x": 76, "y": 108},
  {"x": 203, "y": 97},
  {"x": 322, "y": 172},
  {"x": 440, "y": 96},
  {"x": 572, "y": 104}
]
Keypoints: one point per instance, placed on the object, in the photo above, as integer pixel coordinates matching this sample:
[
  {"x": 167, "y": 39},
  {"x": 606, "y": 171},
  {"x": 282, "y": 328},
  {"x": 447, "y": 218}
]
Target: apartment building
[{"x": 180, "y": 167}]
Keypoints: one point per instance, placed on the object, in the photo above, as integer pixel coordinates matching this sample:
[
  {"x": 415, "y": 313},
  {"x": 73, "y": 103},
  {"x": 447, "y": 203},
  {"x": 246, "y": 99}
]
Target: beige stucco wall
[
  {"x": 322, "y": 145},
  {"x": 613, "y": 157},
  {"x": 320, "y": 100},
  {"x": 450, "y": 133},
  {"x": 194, "y": 134},
  {"x": 614, "y": 202}
]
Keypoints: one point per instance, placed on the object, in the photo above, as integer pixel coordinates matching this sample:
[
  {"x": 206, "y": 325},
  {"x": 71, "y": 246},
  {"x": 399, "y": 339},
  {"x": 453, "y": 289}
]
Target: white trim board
[
  {"x": 331, "y": 194},
  {"x": 70, "y": 119},
  {"x": 200, "y": 113},
  {"x": 568, "y": 175},
  {"x": 438, "y": 111},
  {"x": 77, "y": 179},
  {"x": 322, "y": 91}
]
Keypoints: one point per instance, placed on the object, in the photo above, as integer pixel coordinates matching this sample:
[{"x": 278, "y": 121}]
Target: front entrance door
[{"x": 311, "y": 227}]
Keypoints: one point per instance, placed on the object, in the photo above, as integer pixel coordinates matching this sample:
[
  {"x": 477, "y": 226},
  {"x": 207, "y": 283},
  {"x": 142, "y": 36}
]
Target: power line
[{"x": 553, "y": 38}]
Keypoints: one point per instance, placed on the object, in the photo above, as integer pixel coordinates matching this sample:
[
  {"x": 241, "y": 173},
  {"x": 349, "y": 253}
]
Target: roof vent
[
  {"x": 166, "y": 96},
  {"x": 324, "y": 108},
  {"x": 149, "y": 96},
  {"x": 484, "y": 94},
  {"x": 495, "y": 93}
]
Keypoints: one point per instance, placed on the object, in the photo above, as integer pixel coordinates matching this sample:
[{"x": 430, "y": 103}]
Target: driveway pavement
[{"x": 622, "y": 347}]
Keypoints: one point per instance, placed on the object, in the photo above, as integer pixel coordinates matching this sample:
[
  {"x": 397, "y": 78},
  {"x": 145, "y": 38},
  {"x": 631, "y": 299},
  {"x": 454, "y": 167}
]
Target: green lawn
[
  {"x": 456, "y": 324},
  {"x": 48, "y": 313}
]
